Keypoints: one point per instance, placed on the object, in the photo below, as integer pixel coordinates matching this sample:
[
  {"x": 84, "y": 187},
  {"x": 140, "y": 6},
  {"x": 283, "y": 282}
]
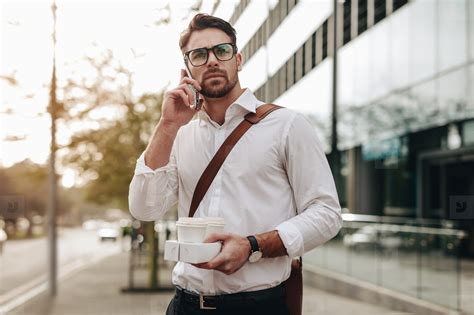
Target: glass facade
[
  {"x": 410, "y": 72},
  {"x": 405, "y": 124}
]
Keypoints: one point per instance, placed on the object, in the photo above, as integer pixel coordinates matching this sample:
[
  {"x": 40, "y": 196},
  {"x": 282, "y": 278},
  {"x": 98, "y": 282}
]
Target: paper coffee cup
[
  {"x": 191, "y": 230},
  {"x": 214, "y": 225}
]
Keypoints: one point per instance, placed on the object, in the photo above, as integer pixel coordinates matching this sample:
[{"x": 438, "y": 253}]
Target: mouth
[{"x": 214, "y": 77}]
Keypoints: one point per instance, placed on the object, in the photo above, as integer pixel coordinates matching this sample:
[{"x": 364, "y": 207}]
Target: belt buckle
[{"x": 202, "y": 301}]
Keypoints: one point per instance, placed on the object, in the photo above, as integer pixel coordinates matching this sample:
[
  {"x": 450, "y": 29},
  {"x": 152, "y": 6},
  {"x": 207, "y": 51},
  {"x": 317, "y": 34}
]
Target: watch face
[{"x": 255, "y": 256}]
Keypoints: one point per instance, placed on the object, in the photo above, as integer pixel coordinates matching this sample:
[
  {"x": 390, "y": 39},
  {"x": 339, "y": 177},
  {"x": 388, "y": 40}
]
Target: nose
[{"x": 212, "y": 61}]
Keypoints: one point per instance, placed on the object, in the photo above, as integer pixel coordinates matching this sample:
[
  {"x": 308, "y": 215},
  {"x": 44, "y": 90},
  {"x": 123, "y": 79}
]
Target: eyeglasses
[{"x": 199, "y": 56}]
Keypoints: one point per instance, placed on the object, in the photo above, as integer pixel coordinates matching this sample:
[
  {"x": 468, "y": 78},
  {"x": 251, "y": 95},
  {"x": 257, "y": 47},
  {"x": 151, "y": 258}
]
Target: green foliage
[
  {"x": 30, "y": 181},
  {"x": 120, "y": 125}
]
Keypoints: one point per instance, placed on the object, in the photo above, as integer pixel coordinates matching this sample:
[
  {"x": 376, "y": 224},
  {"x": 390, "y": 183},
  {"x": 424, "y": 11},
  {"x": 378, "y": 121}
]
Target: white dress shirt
[{"x": 276, "y": 178}]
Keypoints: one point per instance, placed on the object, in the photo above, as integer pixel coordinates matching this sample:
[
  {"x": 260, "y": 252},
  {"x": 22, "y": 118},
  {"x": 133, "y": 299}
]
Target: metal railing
[{"x": 417, "y": 257}]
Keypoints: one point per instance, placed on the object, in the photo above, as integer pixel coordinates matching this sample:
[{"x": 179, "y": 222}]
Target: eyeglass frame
[{"x": 186, "y": 54}]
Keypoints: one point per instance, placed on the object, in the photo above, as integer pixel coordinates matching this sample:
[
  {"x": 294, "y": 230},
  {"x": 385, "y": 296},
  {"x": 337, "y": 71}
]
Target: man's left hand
[{"x": 234, "y": 253}]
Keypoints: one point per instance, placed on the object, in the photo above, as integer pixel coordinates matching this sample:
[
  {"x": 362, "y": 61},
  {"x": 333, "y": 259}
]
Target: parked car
[
  {"x": 3, "y": 239},
  {"x": 108, "y": 232}
]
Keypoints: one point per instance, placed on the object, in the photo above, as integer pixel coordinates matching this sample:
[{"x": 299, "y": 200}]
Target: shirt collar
[{"x": 245, "y": 103}]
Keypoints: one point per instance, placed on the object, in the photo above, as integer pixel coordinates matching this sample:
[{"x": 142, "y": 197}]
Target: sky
[{"x": 83, "y": 28}]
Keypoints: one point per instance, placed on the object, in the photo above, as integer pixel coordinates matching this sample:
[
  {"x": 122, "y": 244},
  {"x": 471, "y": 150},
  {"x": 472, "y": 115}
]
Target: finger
[
  {"x": 205, "y": 265},
  {"x": 201, "y": 265},
  {"x": 184, "y": 97},
  {"x": 183, "y": 74},
  {"x": 214, "y": 237},
  {"x": 188, "y": 80},
  {"x": 228, "y": 269},
  {"x": 191, "y": 81},
  {"x": 180, "y": 94},
  {"x": 188, "y": 91},
  {"x": 215, "y": 263}
]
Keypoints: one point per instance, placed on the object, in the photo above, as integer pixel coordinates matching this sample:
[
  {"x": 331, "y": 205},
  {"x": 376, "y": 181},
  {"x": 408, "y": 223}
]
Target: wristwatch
[{"x": 255, "y": 252}]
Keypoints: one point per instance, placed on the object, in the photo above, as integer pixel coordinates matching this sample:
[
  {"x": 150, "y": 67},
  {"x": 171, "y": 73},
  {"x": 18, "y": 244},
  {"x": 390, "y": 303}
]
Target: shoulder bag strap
[{"x": 215, "y": 164}]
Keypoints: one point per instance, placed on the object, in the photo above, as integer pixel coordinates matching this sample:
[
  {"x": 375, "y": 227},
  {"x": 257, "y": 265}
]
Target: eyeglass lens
[{"x": 223, "y": 52}]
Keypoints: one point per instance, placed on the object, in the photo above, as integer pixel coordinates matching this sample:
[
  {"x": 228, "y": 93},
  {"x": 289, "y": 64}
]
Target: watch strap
[{"x": 253, "y": 243}]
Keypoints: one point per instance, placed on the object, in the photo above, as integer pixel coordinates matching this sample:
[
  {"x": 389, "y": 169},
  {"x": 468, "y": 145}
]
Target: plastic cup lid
[
  {"x": 191, "y": 221},
  {"x": 215, "y": 221}
]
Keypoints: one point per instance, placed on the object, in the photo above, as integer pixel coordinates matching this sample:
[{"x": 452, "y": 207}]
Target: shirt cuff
[
  {"x": 141, "y": 168},
  {"x": 291, "y": 238}
]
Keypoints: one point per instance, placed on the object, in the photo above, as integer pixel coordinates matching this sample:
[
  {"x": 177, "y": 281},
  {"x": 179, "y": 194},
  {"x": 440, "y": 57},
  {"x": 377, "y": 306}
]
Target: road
[{"x": 24, "y": 263}]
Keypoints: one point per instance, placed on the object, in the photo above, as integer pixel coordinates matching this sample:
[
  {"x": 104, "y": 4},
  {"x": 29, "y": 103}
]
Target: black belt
[{"x": 252, "y": 298}]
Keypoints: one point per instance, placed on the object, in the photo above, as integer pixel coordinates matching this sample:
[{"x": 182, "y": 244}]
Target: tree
[
  {"x": 29, "y": 182},
  {"x": 120, "y": 126}
]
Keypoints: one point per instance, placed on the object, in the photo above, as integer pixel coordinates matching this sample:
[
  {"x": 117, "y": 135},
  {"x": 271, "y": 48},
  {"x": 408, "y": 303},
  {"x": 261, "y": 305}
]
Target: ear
[{"x": 240, "y": 61}]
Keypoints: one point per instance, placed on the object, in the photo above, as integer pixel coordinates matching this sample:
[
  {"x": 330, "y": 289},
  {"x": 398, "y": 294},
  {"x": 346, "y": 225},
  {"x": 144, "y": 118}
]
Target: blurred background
[{"x": 387, "y": 84}]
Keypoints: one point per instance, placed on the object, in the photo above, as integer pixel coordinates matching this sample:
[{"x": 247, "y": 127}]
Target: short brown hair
[{"x": 202, "y": 21}]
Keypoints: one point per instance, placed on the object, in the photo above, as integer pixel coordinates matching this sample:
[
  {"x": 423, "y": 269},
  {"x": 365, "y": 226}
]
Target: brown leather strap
[
  {"x": 294, "y": 288},
  {"x": 215, "y": 164}
]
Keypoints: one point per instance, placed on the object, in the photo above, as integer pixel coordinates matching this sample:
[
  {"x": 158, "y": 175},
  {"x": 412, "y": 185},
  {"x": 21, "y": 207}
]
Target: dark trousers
[{"x": 181, "y": 305}]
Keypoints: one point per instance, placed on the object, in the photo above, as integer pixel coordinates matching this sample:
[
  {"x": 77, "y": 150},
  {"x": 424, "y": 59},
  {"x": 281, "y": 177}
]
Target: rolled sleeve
[
  {"x": 142, "y": 168},
  {"x": 317, "y": 224},
  {"x": 291, "y": 238},
  {"x": 153, "y": 192}
]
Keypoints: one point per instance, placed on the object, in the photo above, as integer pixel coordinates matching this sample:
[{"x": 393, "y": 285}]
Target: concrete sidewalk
[{"x": 96, "y": 289}]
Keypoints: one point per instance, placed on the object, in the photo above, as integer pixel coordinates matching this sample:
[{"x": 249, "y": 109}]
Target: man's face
[{"x": 217, "y": 78}]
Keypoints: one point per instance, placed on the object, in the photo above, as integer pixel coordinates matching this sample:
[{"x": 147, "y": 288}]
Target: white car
[
  {"x": 108, "y": 232},
  {"x": 3, "y": 239}
]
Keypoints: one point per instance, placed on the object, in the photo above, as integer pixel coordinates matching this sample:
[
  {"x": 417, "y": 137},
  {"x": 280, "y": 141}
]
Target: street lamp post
[
  {"x": 335, "y": 154},
  {"x": 52, "y": 245}
]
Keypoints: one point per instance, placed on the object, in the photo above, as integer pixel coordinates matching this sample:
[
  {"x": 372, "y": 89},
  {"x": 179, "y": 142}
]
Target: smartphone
[{"x": 197, "y": 99}]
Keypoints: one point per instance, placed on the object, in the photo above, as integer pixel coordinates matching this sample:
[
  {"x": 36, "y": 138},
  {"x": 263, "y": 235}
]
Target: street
[{"x": 24, "y": 263}]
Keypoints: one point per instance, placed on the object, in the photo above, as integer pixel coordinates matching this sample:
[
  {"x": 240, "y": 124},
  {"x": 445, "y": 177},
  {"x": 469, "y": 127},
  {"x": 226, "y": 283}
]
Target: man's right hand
[
  {"x": 176, "y": 109},
  {"x": 175, "y": 112}
]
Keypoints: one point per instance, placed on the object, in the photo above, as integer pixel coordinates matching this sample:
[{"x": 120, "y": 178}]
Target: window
[
  {"x": 274, "y": 87},
  {"x": 283, "y": 9},
  {"x": 325, "y": 39},
  {"x": 303, "y": 61},
  {"x": 276, "y": 20},
  {"x": 290, "y": 4},
  {"x": 266, "y": 91},
  {"x": 267, "y": 28},
  {"x": 296, "y": 66},
  {"x": 313, "y": 50},
  {"x": 246, "y": 51},
  {"x": 346, "y": 22},
  {"x": 282, "y": 79},
  {"x": 278, "y": 85},
  {"x": 290, "y": 78},
  {"x": 308, "y": 55},
  {"x": 397, "y": 4},
  {"x": 239, "y": 9},
  {"x": 380, "y": 10},
  {"x": 362, "y": 16},
  {"x": 250, "y": 47}
]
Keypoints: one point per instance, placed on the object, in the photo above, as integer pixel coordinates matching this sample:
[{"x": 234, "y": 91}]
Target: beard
[{"x": 212, "y": 88}]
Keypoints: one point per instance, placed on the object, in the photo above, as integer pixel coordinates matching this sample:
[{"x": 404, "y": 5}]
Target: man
[{"x": 275, "y": 186}]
